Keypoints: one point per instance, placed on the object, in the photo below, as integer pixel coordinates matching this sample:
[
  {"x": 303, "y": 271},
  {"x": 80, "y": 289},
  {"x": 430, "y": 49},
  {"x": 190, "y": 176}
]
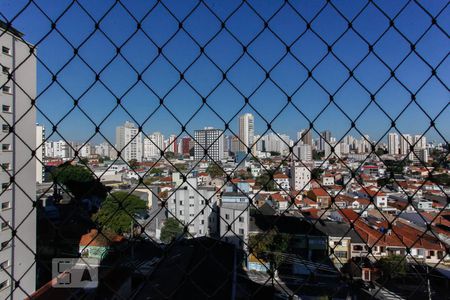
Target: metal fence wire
[{"x": 246, "y": 211}]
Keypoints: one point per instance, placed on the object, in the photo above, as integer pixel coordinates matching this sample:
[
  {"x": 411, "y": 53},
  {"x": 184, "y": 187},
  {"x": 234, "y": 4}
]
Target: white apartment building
[
  {"x": 153, "y": 145},
  {"x": 189, "y": 205},
  {"x": 103, "y": 149},
  {"x": 246, "y": 132},
  {"x": 40, "y": 137},
  {"x": 59, "y": 149},
  {"x": 234, "y": 218},
  {"x": 393, "y": 143},
  {"x": 300, "y": 177},
  {"x": 16, "y": 208},
  {"x": 277, "y": 143},
  {"x": 129, "y": 141},
  {"x": 303, "y": 152},
  {"x": 406, "y": 140},
  {"x": 86, "y": 150}
]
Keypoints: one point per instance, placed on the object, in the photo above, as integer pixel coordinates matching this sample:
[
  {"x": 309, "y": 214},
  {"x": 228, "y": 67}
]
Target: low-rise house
[
  {"x": 341, "y": 237},
  {"x": 379, "y": 198},
  {"x": 281, "y": 181},
  {"x": 97, "y": 245},
  {"x": 321, "y": 196},
  {"x": 386, "y": 241},
  {"x": 203, "y": 178},
  {"x": 328, "y": 179}
]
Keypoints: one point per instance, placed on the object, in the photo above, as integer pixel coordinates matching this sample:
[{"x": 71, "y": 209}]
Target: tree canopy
[
  {"x": 214, "y": 170},
  {"x": 393, "y": 266},
  {"x": 171, "y": 229},
  {"x": 134, "y": 164},
  {"x": 265, "y": 180},
  {"x": 270, "y": 245},
  {"x": 78, "y": 180},
  {"x": 116, "y": 211}
]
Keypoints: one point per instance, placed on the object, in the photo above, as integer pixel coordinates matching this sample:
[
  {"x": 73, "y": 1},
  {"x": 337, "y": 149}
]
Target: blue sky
[{"x": 245, "y": 76}]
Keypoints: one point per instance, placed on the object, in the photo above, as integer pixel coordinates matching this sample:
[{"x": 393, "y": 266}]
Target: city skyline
[{"x": 330, "y": 77}]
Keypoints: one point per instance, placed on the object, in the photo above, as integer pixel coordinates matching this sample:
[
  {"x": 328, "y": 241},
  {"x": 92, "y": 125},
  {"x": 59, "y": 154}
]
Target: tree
[
  {"x": 78, "y": 180},
  {"x": 155, "y": 171},
  {"x": 316, "y": 173},
  {"x": 266, "y": 181},
  {"x": 393, "y": 266},
  {"x": 270, "y": 245},
  {"x": 380, "y": 152},
  {"x": 318, "y": 155},
  {"x": 134, "y": 164},
  {"x": 394, "y": 166},
  {"x": 117, "y": 210},
  {"x": 214, "y": 170},
  {"x": 169, "y": 155},
  {"x": 441, "y": 179},
  {"x": 171, "y": 229},
  {"x": 181, "y": 167}
]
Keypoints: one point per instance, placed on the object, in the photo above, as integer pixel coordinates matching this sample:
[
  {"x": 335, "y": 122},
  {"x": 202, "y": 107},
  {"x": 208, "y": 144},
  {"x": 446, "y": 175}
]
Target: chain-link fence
[{"x": 224, "y": 149}]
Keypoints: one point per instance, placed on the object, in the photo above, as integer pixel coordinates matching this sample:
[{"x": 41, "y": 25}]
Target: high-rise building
[
  {"x": 246, "y": 132},
  {"x": 186, "y": 145},
  {"x": 153, "y": 145},
  {"x": 393, "y": 143},
  {"x": 420, "y": 141},
  {"x": 17, "y": 211},
  {"x": 305, "y": 136},
  {"x": 300, "y": 179},
  {"x": 420, "y": 155},
  {"x": 129, "y": 142},
  {"x": 172, "y": 144},
  {"x": 303, "y": 152},
  {"x": 86, "y": 150},
  {"x": 325, "y": 137},
  {"x": 103, "y": 149},
  {"x": 60, "y": 149},
  {"x": 40, "y": 137},
  {"x": 209, "y": 144},
  {"x": 406, "y": 141},
  {"x": 188, "y": 205}
]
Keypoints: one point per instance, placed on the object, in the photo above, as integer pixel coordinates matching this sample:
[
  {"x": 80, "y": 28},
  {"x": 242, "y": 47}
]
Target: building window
[
  {"x": 5, "y": 225},
  {"x": 6, "y": 108},
  {"x": 7, "y": 89},
  {"x": 341, "y": 254},
  {"x": 5, "y": 70},
  {"x": 241, "y": 231},
  {"x": 357, "y": 248},
  {"x": 5, "y": 186},
  {"x": 6, "y": 50},
  {"x": 241, "y": 219},
  {"x": 5, "y": 264},
  {"x": 4, "y": 284},
  {"x": 4, "y": 245},
  {"x": 181, "y": 212},
  {"x": 181, "y": 202},
  {"x": 227, "y": 216},
  {"x": 203, "y": 222},
  {"x": 6, "y": 147},
  {"x": 6, "y": 205},
  {"x": 5, "y": 128}
]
